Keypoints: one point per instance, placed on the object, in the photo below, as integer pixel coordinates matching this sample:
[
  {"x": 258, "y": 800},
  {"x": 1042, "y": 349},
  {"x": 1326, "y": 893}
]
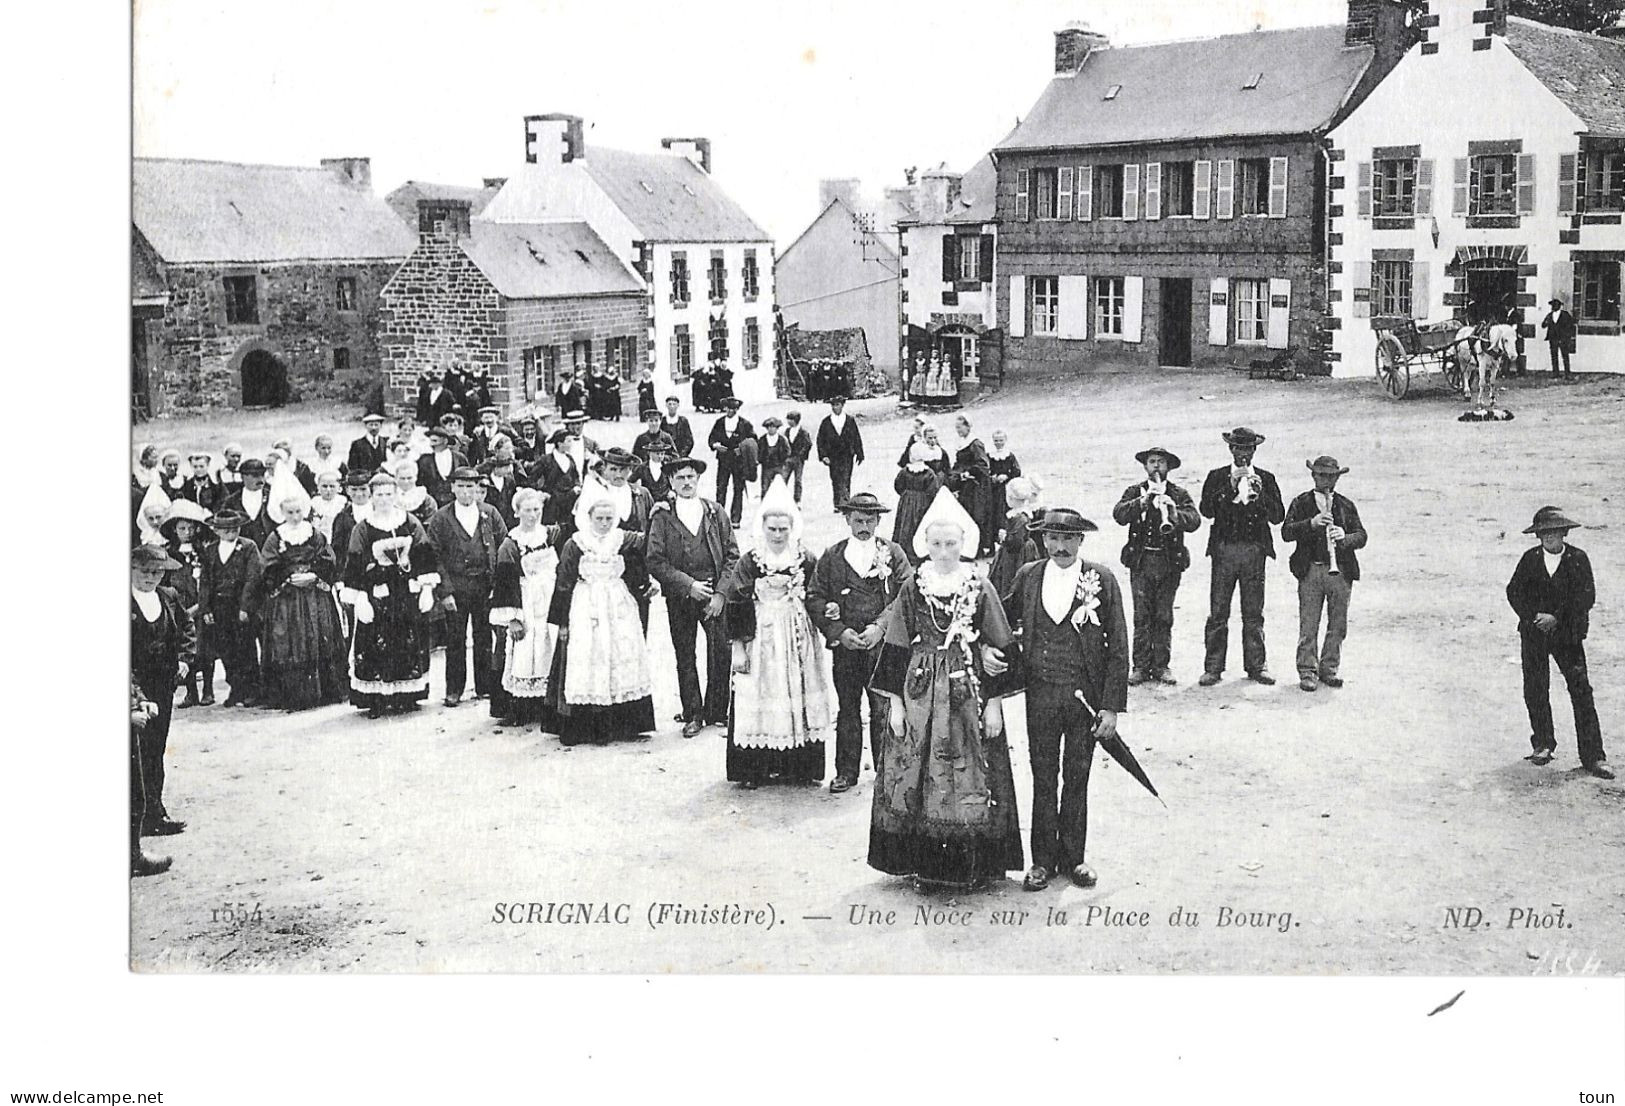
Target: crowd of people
[{"x": 531, "y": 551}]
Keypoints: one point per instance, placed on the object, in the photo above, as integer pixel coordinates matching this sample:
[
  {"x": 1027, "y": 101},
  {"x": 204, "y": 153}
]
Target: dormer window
[
  {"x": 646, "y": 187},
  {"x": 1111, "y": 93}
]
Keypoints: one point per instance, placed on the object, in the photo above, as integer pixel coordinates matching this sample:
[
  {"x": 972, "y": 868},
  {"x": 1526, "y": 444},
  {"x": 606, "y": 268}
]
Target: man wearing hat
[
  {"x": 568, "y": 394},
  {"x": 228, "y": 573},
  {"x": 558, "y": 477},
  {"x": 252, "y": 501},
  {"x": 582, "y": 448},
  {"x": 633, "y": 501},
  {"x": 1553, "y": 591},
  {"x": 1560, "y": 333},
  {"x": 1243, "y": 502},
  {"x": 370, "y": 452},
  {"x": 849, "y": 599},
  {"x": 1074, "y": 638},
  {"x": 357, "y": 494},
  {"x": 163, "y": 648},
  {"x": 682, "y": 435},
  {"x": 436, "y": 466},
  {"x": 728, "y": 435},
  {"x": 691, "y": 552},
  {"x": 453, "y": 421},
  {"x": 434, "y": 399},
  {"x": 201, "y": 487},
  {"x": 466, "y": 535},
  {"x": 1325, "y": 529},
  {"x": 801, "y": 446},
  {"x": 840, "y": 446},
  {"x": 772, "y": 451},
  {"x": 654, "y": 475},
  {"x": 1158, "y": 514},
  {"x": 651, "y": 430},
  {"x": 479, "y": 443},
  {"x": 498, "y": 484}
]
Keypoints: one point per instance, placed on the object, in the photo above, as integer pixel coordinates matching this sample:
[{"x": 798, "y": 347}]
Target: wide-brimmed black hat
[
  {"x": 733, "y": 403},
  {"x": 226, "y": 520},
  {"x": 864, "y": 501},
  {"x": 559, "y": 435},
  {"x": 651, "y": 415},
  {"x": 464, "y": 472},
  {"x": 439, "y": 432},
  {"x": 619, "y": 457},
  {"x": 1327, "y": 464},
  {"x": 357, "y": 478},
  {"x": 487, "y": 467},
  {"x": 661, "y": 443},
  {"x": 152, "y": 556},
  {"x": 1243, "y": 435},
  {"x": 682, "y": 463},
  {"x": 252, "y": 466},
  {"x": 1173, "y": 458},
  {"x": 1062, "y": 520},
  {"x": 1550, "y": 518},
  {"x": 771, "y": 421}
]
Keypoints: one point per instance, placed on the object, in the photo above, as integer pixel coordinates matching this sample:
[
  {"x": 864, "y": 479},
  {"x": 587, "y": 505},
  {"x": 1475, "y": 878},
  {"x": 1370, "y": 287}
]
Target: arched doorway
[
  {"x": 1492, "y": 288},
  {"x": 264, "y": 380}
]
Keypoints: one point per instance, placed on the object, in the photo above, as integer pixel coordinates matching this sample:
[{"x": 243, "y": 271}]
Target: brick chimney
[
  {"x": 554, "y": 139},
  {"x": 1463, "y": 24},
  {"x": 353, "y": 171},
  {"x": 442, "y": 220},
  {"x": 844, "y": 189},
  {"x": 493, "y": 182},
  {"x": 1391, "y": 27},
  {"x": 697, "y": 150},
  {"x": 1073, "y": 45},
  {"x": 938, "y": 191}
]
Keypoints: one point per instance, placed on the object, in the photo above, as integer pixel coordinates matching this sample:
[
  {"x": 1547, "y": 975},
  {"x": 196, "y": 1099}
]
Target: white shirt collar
[
  {"x": 468, "y": 517},
  {"x": 690, "y": 512},
  {"x": 730, "y": 422},
  {"x": 148, "y": 603},
  {"x": 838, "y": 421},
  {"x": 256, "y": 497},
  {"x": 861, "y": 554},
  {"x": 442, "y": 461},
  {"x": 1552, "y": 559},
  {"x": 1058, "y": 588},
  {"x": 226, "y": 549}
]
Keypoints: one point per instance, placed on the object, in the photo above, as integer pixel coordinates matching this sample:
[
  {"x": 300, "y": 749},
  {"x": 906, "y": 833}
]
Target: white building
[
  {"x": 1489, "y": 163},
  {"x": 708, "y": 265},
  {"x": 948, "y": 250}
]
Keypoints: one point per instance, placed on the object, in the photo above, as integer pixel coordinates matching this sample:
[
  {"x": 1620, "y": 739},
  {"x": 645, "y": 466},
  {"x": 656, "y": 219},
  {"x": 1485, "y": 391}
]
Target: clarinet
[
  {"x": 1158, "y": 493},
  {"x": 1331, "y": 545}
]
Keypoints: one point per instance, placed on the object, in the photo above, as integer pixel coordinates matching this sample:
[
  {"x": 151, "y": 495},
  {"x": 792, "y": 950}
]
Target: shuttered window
[
  {"x": 1597, "y": 283},
  {"x": 1046, "y": 303},
  {"x": 1391, "y": 288},
  {"x": 1496, "y": 177},
  {"x": 679, "y": 279},
  {"x": 1252, "y": 301},
  {"x": 1604, "y": 181},
  {"x": 1023, "y": 195},
  {"x": 1202, "y": 190},
  {"x": 1108, "y": 191},
  {"x": 682, "y": 353},
  {"x": 1045, "y": 193},
  {"x": 1178, "y": 185},
  {"x": 1394, "y": 188},
  {"x": 1253, "y": 185},
  {"x": 1108, "y": 307},
  {"x": 968, "y": 252}
]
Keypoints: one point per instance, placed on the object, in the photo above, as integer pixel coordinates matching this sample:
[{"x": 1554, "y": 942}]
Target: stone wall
[{"x": 197, "y": 356}]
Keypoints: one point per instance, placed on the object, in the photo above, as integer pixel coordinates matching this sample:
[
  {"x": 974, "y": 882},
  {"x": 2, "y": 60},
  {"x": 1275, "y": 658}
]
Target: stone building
[
  {"x": 1165, "y": 204},
  {"x": 1451, "y": 210},
  {"x": 949, "y": 249},
  {"x": 255, "y": 285},
  {"x": 708, "y": 268},
  {"x": 518, "y": 300}
]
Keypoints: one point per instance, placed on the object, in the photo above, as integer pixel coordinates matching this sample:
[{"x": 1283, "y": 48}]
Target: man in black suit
[
  {"x": 466, "y": 535},
  {"x": 682, "y": 435},
  {"x": 435, "y": 400},
  {"x": 163, "y": 648},
  {"x": 1552, "y": 590},
  {"x": 436, "y": 466},
  {"x": 655, "y": 473},
  {"x": 499, "y": 485},
  {"x": 1243, "y": 502},
  {"x": 558, "y": 477},
  {"x": 1325, "y": 528},
  {"x": 479, "y": 442},
  {"x": 1158, "y": 514},
  {"x": 252, "y": 501},
  {"x": 370, "y": 452},
  {"x": 801, "y": 446},
  {"x": 568, "y": 394},
  {"x": 651, "y": 431},
  {"x": 840, "y": 446},
  {"x": 1560, "y": 333},
  {"x": 728, "y": 434},
  {"x": 229, "y": 572},
  {"x": 201, "y": 487},
  {"x": 772, "y": 451}
]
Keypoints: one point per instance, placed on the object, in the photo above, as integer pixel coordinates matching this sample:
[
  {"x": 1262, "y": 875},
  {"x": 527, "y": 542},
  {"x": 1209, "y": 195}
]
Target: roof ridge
[
  {"x": 1211, "y": 38},
  {"x": 235, "y": 164}
]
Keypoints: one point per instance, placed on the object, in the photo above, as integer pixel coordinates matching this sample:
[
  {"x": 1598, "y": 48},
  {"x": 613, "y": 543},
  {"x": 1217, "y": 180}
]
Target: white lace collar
[
  {"x": 939, "y": 584},
  {"x": 295, "y": 533},
  {"x": 778, "y": 562},
  {"x": 390, "y": 520},
  {"x": 606, "y": 546}
]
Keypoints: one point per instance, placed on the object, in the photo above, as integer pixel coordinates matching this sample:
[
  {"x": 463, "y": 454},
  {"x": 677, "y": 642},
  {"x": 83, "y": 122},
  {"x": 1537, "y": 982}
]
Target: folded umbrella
[{"x": 1121, "y": 753}]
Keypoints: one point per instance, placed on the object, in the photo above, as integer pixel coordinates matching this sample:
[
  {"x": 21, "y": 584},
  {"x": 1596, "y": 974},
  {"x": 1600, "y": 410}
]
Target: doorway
[
  {"x": 265, "y": 380},
  {"x": 1488, "y": 291},
  {"x": 140, "y": 375},
  {"x": 1174, "y": 329}
]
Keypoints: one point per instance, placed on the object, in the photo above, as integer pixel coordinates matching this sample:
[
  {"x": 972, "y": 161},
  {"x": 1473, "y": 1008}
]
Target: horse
[{"x": 1483, "y": 352}]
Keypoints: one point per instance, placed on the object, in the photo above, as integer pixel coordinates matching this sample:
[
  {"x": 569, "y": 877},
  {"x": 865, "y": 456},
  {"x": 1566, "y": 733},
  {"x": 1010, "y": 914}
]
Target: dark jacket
[
  {"x": 1560, "y": 328},
  {"x": 1144, "y": 524},
  {"x": 206, "y": 493},
  {"x": 158, "y": 649},
  {"x": 1235, "y": 522},
  {"x": 1568, "y": 594},
  {"x": 259, "y": 524},
  {"x": 223, "y": 588},
  {"x": 801, "y": 445},
  {"x": 452, "y": 545},
  {"x": 682, "y": 435},
  {"x": 862, "y": 600},
  {"x": 727, "y": 445},
  {"x": 429, "y": 411},
  {"x": 718, "y": 534},
  {"x": 1105, "y": 663},
  {"x": 847, "y": 446},
  {"x": 773, "y": 457},
  {"x": 366, "y": 457},
  {"x": 430, "y": 480},
  {"x": 1310, "y": 540}
]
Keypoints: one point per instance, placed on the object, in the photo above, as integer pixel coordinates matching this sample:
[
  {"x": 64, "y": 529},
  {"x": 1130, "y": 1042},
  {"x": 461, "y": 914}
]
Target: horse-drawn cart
[{"x": 1413, "y": 350}]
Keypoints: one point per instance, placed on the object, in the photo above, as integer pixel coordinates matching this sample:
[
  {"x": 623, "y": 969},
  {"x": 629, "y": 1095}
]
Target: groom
[{"x": 1069, "y": 613}]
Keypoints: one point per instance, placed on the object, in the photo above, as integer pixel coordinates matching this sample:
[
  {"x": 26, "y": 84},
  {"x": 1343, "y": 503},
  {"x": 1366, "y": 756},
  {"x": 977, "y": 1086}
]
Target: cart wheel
[{"x": 1393, "y": 371}]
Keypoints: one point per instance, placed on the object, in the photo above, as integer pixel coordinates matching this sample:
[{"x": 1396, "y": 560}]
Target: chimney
[
  {"x": 442, "y": 220},
  {"x": 553, "y": 139},
  {"x": 1073, "y": 45},
  {"x": 353, "y": 171},
  {"x": 1467, "y": 24},
  {"x": 1390, "y": 27},
  {"x": 938, "y": 192},
  {"x": 844, "y": 189},
  {"x": 697, "y": 150},
  {"x": 494, "y": 182}
]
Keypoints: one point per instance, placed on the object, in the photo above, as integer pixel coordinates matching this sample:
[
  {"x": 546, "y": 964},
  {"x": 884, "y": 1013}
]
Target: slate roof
[
  {"x": 547, "y": 260},
  {"x": 222, "y": 211},
  {"x": 976, "y": 194},
  {"x": 146, "y": 281},
  {"x": 404, "y": 200},
  {"x": 1191, "y": 90},
  {"x": 665, "y": 195},
  {"x": 1586, "y": 72}
]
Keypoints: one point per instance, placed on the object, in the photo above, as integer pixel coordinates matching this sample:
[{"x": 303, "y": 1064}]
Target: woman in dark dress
[
  {"x": 1016, "y": 545},
  {"x": 945, "y": 796},
  {"x": 184, "y": 534},
  {"x": 1002, "y": 467},
  {"x": 646, "y": 393},
  {"x": 302, "y": 647},
  {"x": 916, "y": 487},
  {"x": 390, "y": 574},
  {"x": 971, "y": 484}
]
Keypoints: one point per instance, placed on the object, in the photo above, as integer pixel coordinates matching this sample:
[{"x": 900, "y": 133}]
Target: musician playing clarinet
[
  {"x": 1326, "y": 529},
  {"x": 1158, "y": 514},
  {"x": 1244, "y": 502}
]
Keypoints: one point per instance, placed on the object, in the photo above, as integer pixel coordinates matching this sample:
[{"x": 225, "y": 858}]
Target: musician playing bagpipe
[{"x": 1158, "y": 514}]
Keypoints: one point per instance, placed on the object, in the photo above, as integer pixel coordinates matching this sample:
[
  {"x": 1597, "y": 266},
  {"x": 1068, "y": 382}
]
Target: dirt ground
[{"x": 1364, "y": 813}]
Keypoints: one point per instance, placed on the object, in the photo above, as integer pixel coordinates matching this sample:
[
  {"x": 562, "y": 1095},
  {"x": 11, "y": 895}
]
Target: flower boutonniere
[
  {"x": 881, "y": 568},
  {"x": 1088, "y": 596}
]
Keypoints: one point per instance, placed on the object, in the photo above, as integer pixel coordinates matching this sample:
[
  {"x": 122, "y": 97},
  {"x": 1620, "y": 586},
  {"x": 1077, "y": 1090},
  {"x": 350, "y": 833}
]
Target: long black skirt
[
  {"x": 599, "y": 725},
  {"x": 803, "y": 764}
]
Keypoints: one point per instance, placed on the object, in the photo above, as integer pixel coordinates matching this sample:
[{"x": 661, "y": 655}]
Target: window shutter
[
  {"x": 1567, "y": 184},
  {"x": 1363, "y": 198},
  {"x": 1085, "y": 189},
  {"x": 1277, "y": 324},
  {"x": 1278, "y": 167},
  {"x": 1526, "y": 184},
  {"x": 1063, "y": 199},
  {"x": 986, "y": 266},
  {"x": 1458, "y": 202},
  {"x": 1363, "y": 292},
  {"x": 950, "y": 259},
  {"x": 1023, "y": 209},
  {"x": 1226, "y": 189},
  {"x": 1424, "y": 187},
  {"x": 1218, "y": 312},
  {"x": 1073, "y": 308},
  {"x": 1202, "y": 191},
  {"x": 1153, "y": 190},
  {"x": 1472, "y": 186},
  {"x": 1018, "y": 307},
  {"x": 676, "y": 366},
  {"x": 1131, "y": 192},
  {"x": 1563, "y": 284},
  {"x": 1133, "y": 308},
  {"x": 1420, "y": 296}
]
